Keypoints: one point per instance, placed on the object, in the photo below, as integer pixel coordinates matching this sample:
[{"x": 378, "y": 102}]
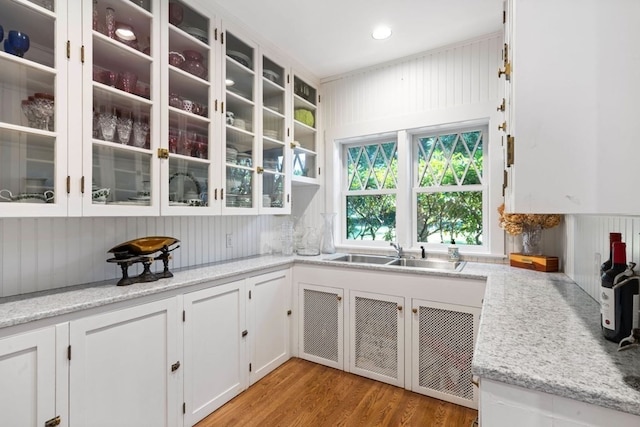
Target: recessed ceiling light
[{"x": 382, "y": 32}]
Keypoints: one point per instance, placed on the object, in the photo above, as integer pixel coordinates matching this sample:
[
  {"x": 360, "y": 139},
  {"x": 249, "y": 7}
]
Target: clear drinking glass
[
  {"x": 140, "y": 131},
  {"x": 111, "y": 22},
  {"x": 123, "y": 124},
  {"x": 107, "y": 122}
]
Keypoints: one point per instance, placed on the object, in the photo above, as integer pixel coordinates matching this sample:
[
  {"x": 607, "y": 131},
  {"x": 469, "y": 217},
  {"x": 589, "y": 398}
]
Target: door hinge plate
[
  {"x": 510, "y": 150},
  {"x": 53, "y": 422}
]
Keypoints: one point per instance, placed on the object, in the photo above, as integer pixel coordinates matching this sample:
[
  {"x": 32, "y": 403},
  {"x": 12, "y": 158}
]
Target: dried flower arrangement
[{"x": 515, "y": 224}]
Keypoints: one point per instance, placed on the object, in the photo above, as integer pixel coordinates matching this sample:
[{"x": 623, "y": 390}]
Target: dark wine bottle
[
  {"x": 613, "y": 237},
  {"x": 616, "y": 305}
]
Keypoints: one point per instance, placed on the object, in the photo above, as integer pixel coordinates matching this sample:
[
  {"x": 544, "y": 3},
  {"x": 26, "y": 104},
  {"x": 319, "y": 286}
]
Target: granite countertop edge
[{"x": 514, "y": 300}]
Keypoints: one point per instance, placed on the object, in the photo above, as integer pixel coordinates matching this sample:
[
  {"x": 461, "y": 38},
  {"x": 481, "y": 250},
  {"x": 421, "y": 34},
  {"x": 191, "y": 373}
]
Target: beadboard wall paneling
[
  {"x": 49, "y": 253},
  {"x": 461, "y": 74},
  {"x": 590, "y": 240}
]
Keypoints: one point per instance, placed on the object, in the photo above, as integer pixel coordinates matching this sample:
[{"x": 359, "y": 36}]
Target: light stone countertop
[{"x": 537, "y": 330}]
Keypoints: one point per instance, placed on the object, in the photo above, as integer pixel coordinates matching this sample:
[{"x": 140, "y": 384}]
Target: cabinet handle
[
  {"x": 506, "y": 71},
  {"x": 339, "y": 298},
  {"x": 245, "y": 333},
  {"x": 503, "y": 126},
  {"x": 399, "y": 308},
  {"x": 175, "y": 366},
  {"x": 222, "y": 194},
  {"x": 215, "y": 194},
  {"x": 502, "y": 106},
  {"x": 415, "y": 310},
  {"x": 259, "y": 169}
]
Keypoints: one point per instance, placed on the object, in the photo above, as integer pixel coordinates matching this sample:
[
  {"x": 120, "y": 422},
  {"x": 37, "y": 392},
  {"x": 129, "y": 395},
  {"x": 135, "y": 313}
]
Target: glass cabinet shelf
[{"x": 39, "y": 25}]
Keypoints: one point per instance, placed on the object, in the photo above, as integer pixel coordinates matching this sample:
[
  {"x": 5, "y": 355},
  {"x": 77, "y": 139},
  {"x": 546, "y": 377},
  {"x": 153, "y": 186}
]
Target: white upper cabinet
[
  {"x": 33, "y": 114},
  {"x": 146, "y": 108},
  {"x": 121, "y": 108},
  {"x": 190, "y": 125},
  {"x": 306, "y": 155},
  {"x": 572, "y": 106}
]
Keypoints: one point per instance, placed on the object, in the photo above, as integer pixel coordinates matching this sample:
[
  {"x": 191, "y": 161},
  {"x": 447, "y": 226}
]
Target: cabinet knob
[
  {"x": 415, "y": 310},
  {"x": 339, "y": 298},
  {"x": 503, "y": 126},
  {"x": 399, "y": 308},
  {"x": 502, "y": 106}
]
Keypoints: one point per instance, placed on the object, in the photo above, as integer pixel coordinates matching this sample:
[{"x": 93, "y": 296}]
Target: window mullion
[{"x": 403, "y": 198}]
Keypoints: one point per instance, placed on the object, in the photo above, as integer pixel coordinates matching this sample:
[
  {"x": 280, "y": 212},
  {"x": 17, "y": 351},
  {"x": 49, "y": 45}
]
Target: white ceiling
[{"x": 331, "y": 37}]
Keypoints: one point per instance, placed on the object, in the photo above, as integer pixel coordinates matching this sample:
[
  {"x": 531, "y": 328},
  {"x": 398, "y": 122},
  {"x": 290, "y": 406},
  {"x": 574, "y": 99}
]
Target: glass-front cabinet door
[
  {"x": 273, "y": 172},
  {"x": 121, "y": 108},
  {"x": 33, "y": 99},
  {"x": 241, "y": 124},
  {"x": 188, "y": 91},
  {"x": 305, "y": 124}
]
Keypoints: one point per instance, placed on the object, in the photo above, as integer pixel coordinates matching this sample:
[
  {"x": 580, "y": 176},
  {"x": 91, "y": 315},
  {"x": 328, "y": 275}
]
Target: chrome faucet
[{"x": 398, "y": 248}]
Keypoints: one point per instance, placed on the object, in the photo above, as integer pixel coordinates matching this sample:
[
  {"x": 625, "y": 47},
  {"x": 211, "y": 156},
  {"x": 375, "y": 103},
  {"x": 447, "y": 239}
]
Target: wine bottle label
[{"x": 607, "y": 308}]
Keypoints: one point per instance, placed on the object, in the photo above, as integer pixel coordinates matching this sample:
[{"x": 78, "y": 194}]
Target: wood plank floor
[{"x": 301, "y": 393}]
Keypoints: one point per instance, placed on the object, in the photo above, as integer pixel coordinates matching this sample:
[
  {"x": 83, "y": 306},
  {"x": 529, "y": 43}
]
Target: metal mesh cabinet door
[
  {"x": 377, "y": 337},
  {"x": 322, "y": 325},
  {"x": 442, "y": 348}
]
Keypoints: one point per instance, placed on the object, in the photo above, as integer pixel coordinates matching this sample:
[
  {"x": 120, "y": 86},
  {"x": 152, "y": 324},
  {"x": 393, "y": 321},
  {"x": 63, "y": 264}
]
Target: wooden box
[{"x": 534, "y": 262}]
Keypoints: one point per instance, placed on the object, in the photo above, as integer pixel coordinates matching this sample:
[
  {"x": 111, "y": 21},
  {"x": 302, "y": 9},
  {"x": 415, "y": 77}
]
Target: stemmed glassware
[
  {"x": 140, "y": 131},
  {"x": 107, "y": 122},
  {"x": 123, "y": 124}
]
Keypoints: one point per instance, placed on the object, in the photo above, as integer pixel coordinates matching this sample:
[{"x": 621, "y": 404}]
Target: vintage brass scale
[{"x": 145, "y": 251}]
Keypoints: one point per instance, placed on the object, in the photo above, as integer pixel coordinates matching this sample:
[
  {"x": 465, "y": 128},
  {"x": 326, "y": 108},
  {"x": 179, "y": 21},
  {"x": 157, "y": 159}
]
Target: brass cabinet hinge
[
  {"x": 215, "y": 34},
  {"x": 245, "y": 333},
  {"x": 163, "y": 153},
  {"x": 69, "y": 353},
  {"x": 259, "y": 169},
  {"x": 68, "y": 184},
  {"x": 82, "y": 184},
  {"x": 68, "y": 49},
  {"x": 505, "y": 176},
  {"x": 502, "y": 106},
  {"x": 221, "y": 37},
  {"x": 510, "y": 150},
  {"x": 53, "y": 422},
  {"x": 175, "y": 366},
  {"x": 82, "y": 54}
]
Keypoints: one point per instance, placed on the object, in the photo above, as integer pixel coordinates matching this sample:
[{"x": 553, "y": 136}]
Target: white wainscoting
[
  {"x": 461, "y": 74},
  {"x": 47, "y": 253},
  {"x": 587, "y": 246}
]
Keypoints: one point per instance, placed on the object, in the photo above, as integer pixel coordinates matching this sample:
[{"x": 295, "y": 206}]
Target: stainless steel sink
[
  {"x": 428, "y": 264},
  {"x": 431, "y": 264},
  {"x": 366, "y": 259}
]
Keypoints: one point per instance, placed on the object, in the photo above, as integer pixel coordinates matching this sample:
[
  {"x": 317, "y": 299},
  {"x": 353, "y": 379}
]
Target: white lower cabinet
[
  {"x": 321, "y": 324},
  {"x": 427, "y": 350},
  {"x": 234, "y": 334},
  {"x": 269, "y": 322},
  {"x": 28, "y": 372},
  {"x": 377, "y": 336},
  {"x": 124, "y": 367},
  {"x": 213, "y": 348},
  {"x": 443, "y": 338}
]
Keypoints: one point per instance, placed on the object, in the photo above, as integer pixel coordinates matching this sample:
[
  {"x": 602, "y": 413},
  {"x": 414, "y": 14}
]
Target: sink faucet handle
[
  {"x": 424, "y": 254},
  {"x": 397, "y": 247}
]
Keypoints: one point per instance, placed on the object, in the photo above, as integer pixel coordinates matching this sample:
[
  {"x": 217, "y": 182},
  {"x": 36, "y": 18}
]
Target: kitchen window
[{"x": 420, "y": 187}]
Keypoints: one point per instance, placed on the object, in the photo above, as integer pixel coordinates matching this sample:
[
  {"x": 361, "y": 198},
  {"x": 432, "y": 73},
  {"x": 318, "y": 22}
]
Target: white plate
[
  {"x": 240, "y": 57},
  {"x": 271, "y": 75}
]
